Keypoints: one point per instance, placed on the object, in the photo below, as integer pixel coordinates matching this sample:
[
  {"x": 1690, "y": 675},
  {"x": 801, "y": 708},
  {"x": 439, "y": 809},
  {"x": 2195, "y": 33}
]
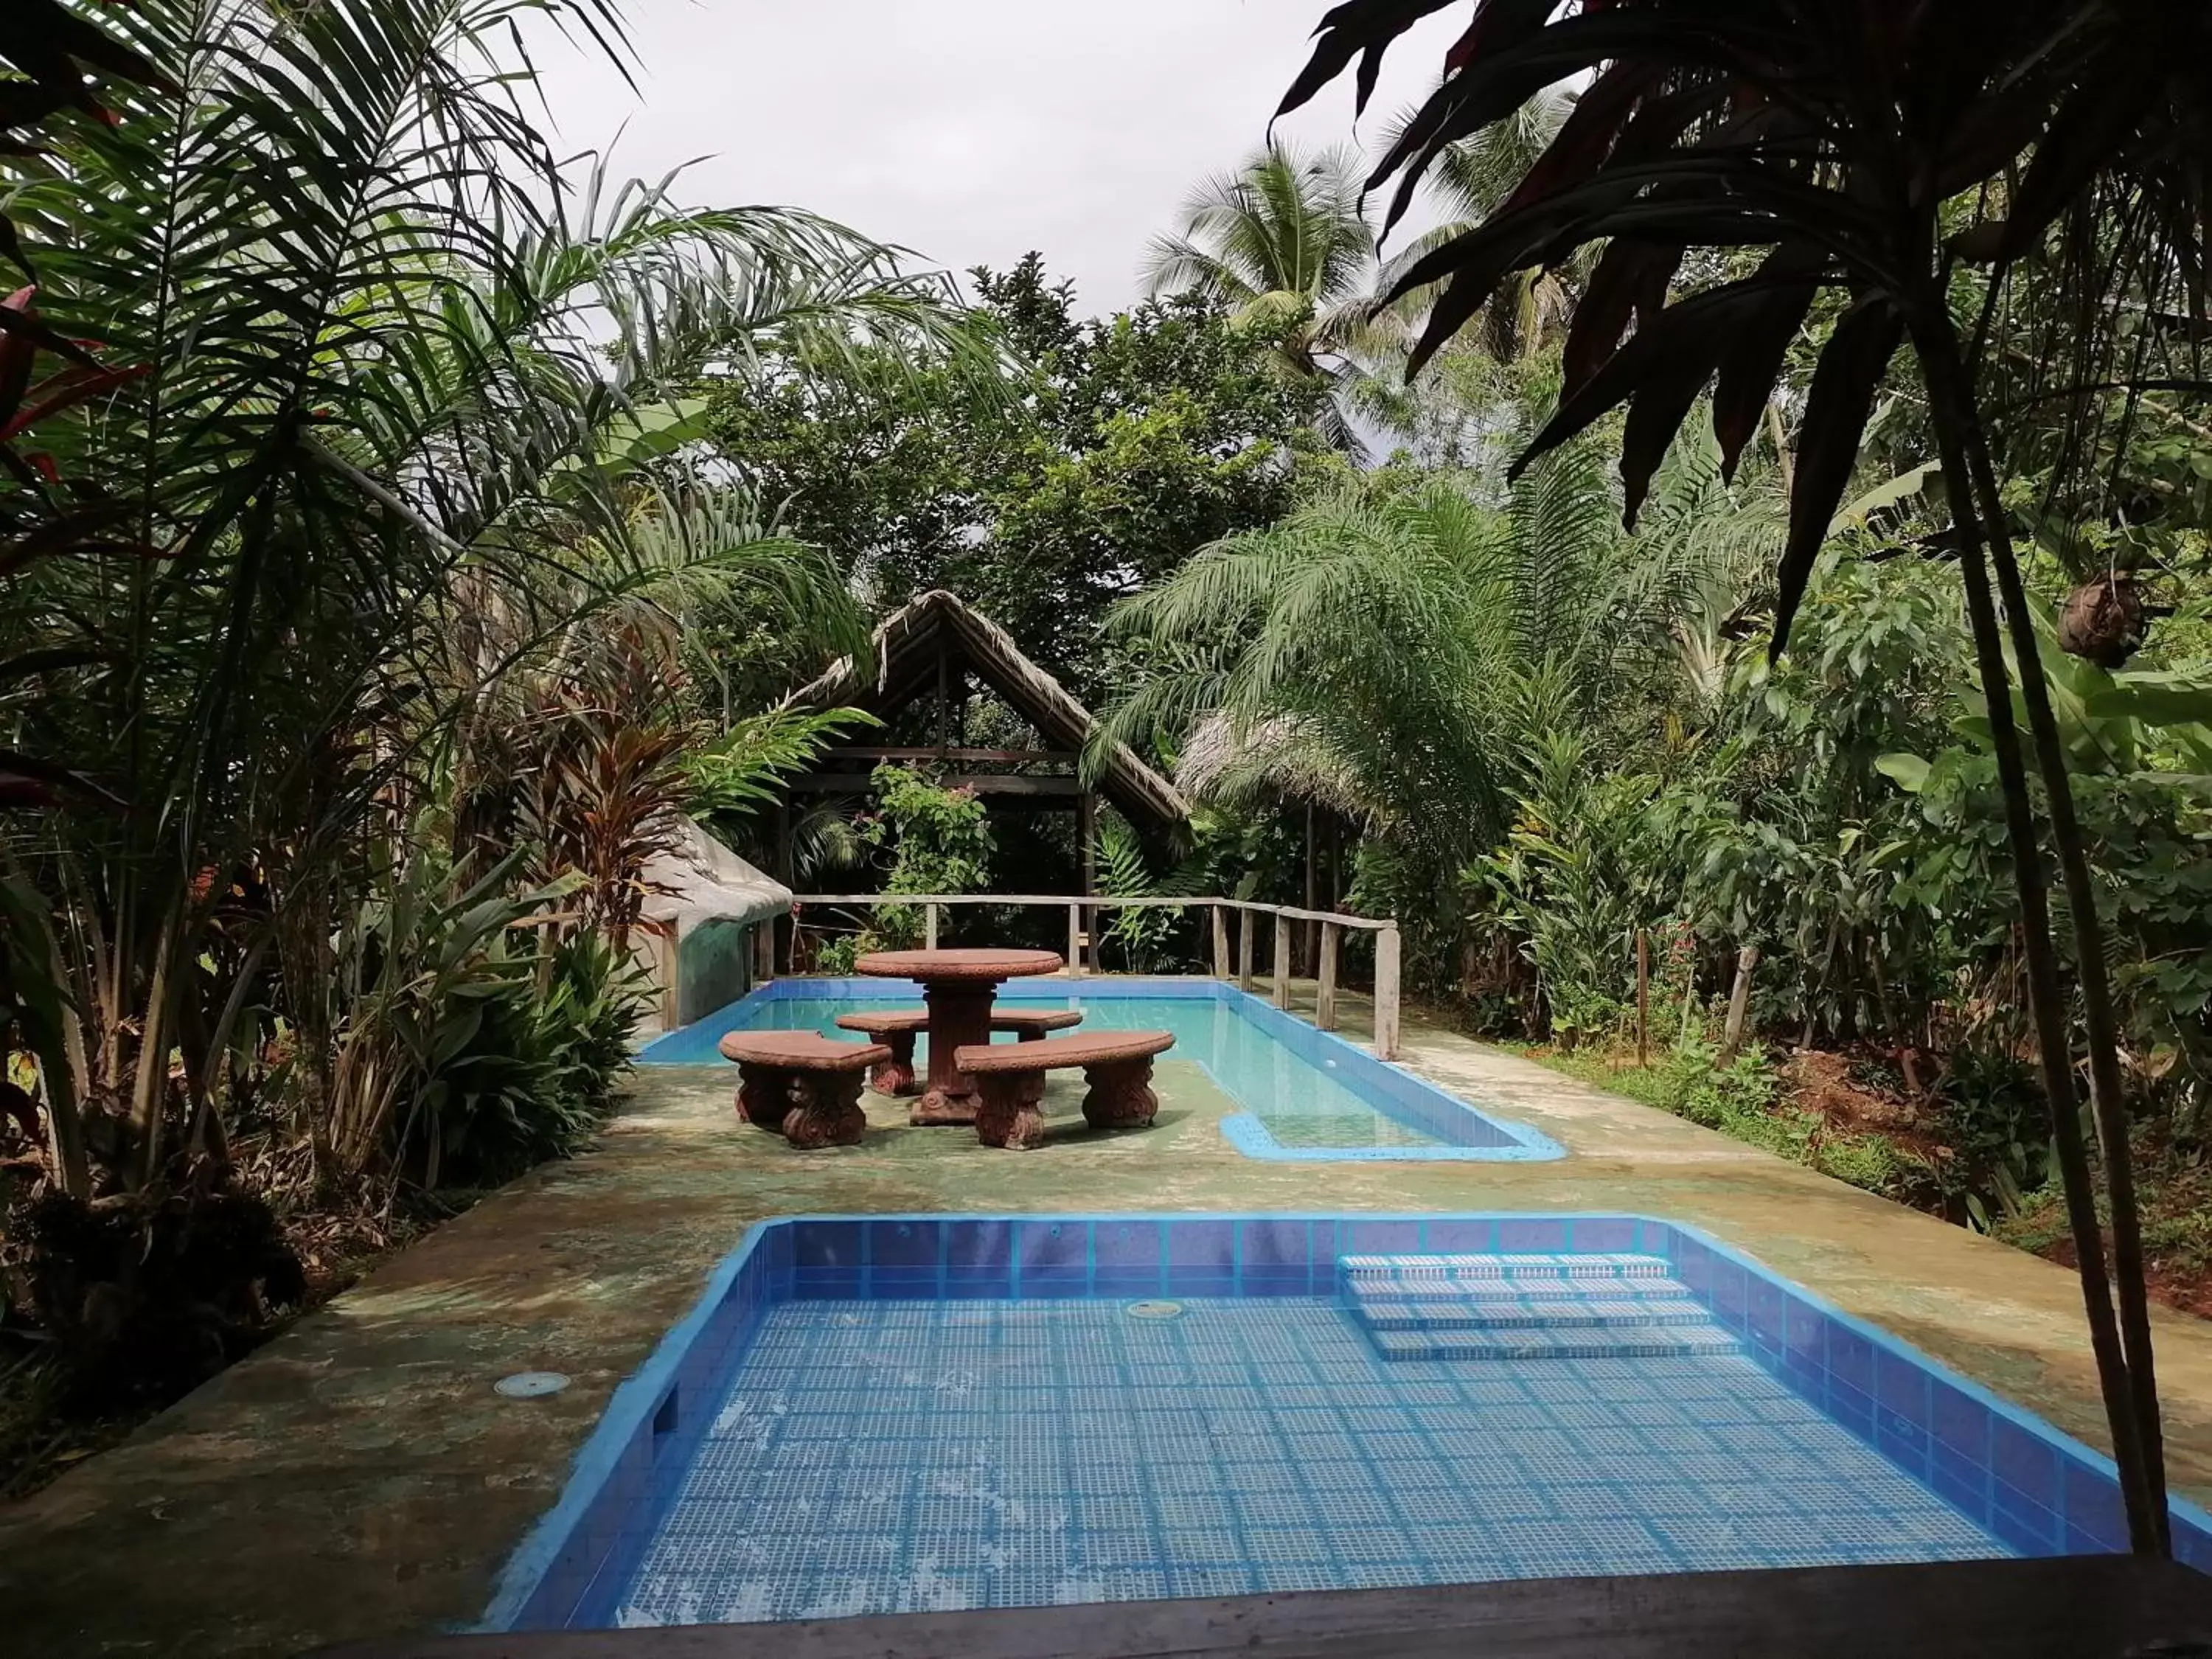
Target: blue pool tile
[
  {"x": 2192, "y": 1544},
  {"x": 2023, "y": 1462},
  {"x": 972, "y": 1247},
  {"x": 1901, "y": 1387},
  {"x": 1532, "y": 1235},
  {"x": 2029, "y": 1526},
  {"x": 1275, "y": 1245},
  {"x": 1729, "y": 1294},
  {"x": 1850, "y": 1408},
  {"x": 1966, "y": 1493},
  {"x": 1606, "y": 1233},
  {"x": 1210, "y": 1244},
  {"x": 1126, "y": 1243},
  {"x": 1765, "y": 1313},
  {"x": 827, "y": 1244},
  {"x": 1201, "y": 1282},
  {"x": 1693, "y": 1264},
  {"x": 904, "y": 1284},
  {"x": 1959, "y": 1421},
  {"x": 2092, "y": 1507},
  {"x": 1127, "y": 1284},
  {"x": 1380, "y": 1237},
  {"x": 1805, "y": 1338},
  {"x": 830, "y": 1284},
  {"x": 905, "y": 1243},
  {"x": 1054, "y": 1248},
  {"x": 1450, "y": 1237},
  {"x": 1902, "y": 1442},
  {"x": 1850, "y": 1358}
]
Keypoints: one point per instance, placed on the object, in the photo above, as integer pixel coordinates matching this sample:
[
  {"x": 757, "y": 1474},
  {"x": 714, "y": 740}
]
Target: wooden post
[
  {"x": 1643, "y": 998},
  {"x": 1075, "y": 940},
  {"x": 929, "y": 927},
  {"x": 1386, "y": 992},
  {"x": 1739, "y": 1003},
  {"x": 765, "y": 952},
  {"x": 1332, "y": 945},
  {"x": 1245, "y": 930},
  {"x": 1086, "y": 836},
  {"x": 1221, "y": 968},
  {"x": 1284, "y": 926}
]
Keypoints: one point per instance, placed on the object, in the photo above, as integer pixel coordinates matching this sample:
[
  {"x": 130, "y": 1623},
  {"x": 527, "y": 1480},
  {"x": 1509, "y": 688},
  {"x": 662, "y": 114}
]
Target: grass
[{"x": 1745, "y": 1101}]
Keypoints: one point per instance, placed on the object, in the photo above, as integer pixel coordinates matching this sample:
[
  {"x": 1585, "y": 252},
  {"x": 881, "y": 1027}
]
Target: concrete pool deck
[{"x": 357, "y": 1477}]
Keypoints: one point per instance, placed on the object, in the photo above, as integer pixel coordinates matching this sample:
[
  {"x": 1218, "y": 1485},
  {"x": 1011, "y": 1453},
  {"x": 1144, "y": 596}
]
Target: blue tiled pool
[
  {"x": 1305, "y": 1094},
  {"x": 911, "y": 1413}
]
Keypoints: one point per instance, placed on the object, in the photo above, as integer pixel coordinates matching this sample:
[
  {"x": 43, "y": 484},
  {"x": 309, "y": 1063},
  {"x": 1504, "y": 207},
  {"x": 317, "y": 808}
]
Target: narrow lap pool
[
  {"x": 1303, "y": 1094},
  {"x": 920, "y": 1412}
]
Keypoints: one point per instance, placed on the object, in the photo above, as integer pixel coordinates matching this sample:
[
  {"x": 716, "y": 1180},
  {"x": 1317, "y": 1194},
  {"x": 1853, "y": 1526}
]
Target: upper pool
[{"x": 1304, "y": 1094}]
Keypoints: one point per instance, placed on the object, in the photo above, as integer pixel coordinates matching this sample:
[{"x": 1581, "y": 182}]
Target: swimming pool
[
  {"x": 909, "y": 1413},
  {"x": 1305, "y": 1094}
]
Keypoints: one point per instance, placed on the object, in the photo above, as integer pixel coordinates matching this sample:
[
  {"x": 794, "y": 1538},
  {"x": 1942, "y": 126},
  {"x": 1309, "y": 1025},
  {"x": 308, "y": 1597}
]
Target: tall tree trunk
[
  {"x": 1952, "y": 409},
  {"x": 2108, "y": 1095}
]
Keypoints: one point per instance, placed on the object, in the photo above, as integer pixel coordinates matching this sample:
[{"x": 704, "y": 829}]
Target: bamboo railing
[{"x": 1238, "y": 965}]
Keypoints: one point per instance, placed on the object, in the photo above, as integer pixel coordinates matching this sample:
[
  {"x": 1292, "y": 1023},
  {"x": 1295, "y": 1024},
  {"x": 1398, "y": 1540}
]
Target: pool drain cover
[
  {"x": 1156, "y": 1311},
  {"x": 530, "y": 1385}
]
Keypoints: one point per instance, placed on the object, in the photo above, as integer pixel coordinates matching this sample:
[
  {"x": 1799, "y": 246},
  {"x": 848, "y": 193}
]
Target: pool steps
[{"x": 1526, "y": 1306}]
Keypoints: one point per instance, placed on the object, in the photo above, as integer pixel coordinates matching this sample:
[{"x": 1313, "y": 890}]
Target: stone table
[{"x": 957, "y": 986}]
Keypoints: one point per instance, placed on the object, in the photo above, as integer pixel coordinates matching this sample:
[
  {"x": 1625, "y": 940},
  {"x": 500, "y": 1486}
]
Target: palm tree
[
  {"x": 1284, "y": 243},
  {"x": 397, "y": 400},
  {"x": 1470, "y": 180},
  {"x": 1885, "y": 151},
  {"x": 1401, "y": 645}
]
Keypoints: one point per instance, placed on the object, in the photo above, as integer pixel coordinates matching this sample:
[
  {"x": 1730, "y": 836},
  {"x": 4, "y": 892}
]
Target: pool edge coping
[{"x": 638, "y": 1398}]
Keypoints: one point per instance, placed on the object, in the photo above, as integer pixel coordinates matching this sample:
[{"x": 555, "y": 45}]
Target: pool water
[
  {"x": 1302, "y": 1093},
  {"x": 908, "y": 1413},
  {"x": 899, "y": 1457}
]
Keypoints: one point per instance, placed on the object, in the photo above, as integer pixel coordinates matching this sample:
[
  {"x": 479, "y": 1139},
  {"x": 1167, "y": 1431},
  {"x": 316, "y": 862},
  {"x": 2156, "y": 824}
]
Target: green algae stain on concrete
[{"x": 359, "y": 1477}]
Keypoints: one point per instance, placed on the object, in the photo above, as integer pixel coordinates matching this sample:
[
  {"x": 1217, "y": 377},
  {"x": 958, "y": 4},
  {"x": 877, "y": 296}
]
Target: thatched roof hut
[{"x": 936, "y": 643}]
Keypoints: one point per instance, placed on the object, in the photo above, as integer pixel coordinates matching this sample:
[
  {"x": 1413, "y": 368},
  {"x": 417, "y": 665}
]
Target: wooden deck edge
[{"x": 2077, "y": 1608}]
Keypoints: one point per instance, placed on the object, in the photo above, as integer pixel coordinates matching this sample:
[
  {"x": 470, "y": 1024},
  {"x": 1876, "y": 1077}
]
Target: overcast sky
[{"x": 968, "y": 131}]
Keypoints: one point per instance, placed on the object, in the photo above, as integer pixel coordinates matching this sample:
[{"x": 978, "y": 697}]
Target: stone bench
[
  {"x": 801, "y": 1085},
  {"x": 1009, "y": 1079},
  {"x": 896, "y": 1029}
]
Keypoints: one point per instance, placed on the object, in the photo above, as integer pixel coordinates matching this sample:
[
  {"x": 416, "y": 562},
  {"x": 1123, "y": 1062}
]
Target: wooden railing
[{"x": 1238, "y": 965}]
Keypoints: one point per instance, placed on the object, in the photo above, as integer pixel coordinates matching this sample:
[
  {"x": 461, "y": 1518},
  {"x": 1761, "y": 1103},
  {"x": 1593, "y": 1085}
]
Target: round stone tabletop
[{"x": 978, "y": 966}]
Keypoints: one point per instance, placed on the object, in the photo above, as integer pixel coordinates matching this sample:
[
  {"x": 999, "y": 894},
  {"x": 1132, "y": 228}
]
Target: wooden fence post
[
  {"x": 1332, "y": 943},
  {"x": 1643, "y": 998},
  {"x": 929, "y": 927},
  {"x": 765, "y": 952},
  {"x": 1386, "y": 992},
  {"x": 1739, "y": 1003},
  {"x": 1221, "y": 968},
  {"x": 1245, "y": 930},
  {"x": 1283, "y": 928},
  {"x": 1075, "y": 941}
]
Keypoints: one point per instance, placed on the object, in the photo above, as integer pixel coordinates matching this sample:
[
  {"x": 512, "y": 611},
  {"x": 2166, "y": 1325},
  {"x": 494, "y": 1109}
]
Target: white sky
[{"x": 968, "y": 131}]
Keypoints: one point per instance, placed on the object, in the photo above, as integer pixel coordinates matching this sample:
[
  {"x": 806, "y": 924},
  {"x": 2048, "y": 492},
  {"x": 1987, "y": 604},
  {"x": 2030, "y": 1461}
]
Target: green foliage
[
  {"x": 1144, "y": 932},
  {"x": 535, "y": 1073},
  {"x": 939, "y": 841},
  {"x": 736, "y": 774},
  {"x": 478, "y": 1039},
  {"x": 1109, "y": 452},
  {"x": 1587, "y": 865}
]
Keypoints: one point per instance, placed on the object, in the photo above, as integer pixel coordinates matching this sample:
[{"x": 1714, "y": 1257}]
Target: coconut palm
[
  {"x": 1470, "y": 180},
  {"x": 1284, "y": 243}
]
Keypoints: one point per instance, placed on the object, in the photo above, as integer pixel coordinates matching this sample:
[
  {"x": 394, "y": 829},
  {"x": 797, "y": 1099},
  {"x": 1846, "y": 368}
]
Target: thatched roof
[
  {"x": 908, "y": 644},
  {"x": 1242, "y": 764}
]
